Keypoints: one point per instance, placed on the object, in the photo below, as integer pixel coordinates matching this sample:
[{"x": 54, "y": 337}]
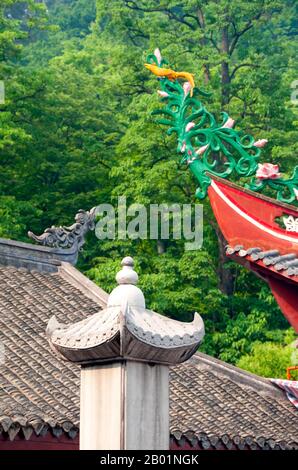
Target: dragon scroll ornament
[
  {"x": 68, "y": 237},
  {"x": 209, "y": 147}
]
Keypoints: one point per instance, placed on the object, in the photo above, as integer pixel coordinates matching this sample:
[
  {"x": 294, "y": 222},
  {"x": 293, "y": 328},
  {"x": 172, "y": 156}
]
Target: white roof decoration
[{"x": 127, "y": 330}]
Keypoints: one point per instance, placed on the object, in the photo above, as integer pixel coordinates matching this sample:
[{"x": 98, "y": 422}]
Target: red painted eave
[
  {"x": 248, "y": 219},
  {"x": 286, "y": 296}
]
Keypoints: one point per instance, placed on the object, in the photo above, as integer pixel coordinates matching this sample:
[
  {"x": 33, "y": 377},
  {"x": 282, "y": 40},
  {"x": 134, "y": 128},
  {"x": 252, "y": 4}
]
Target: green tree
[
  {"x": 231, "y": 47},
  {"x": 268, "y": 360},
  {"x": 76, "y": 131}
]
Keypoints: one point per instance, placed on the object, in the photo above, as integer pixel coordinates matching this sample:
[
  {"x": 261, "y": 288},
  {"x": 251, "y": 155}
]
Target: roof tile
[{"x": 212, "y": 404}]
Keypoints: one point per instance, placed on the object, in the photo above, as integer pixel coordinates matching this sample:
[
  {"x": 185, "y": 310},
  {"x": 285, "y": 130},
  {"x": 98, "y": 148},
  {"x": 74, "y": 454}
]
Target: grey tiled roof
[
  {"x": 37, "y": 390},
  {"x": 212, "y": 404},
  {"x": 216, "y": 405},
  {"x": 285, "y": 264}
]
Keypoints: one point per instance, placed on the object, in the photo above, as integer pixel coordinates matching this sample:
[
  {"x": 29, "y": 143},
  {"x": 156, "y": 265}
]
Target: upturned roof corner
[{"x": 127, "y": 330}]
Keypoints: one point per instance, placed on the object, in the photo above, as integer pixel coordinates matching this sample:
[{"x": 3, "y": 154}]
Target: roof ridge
[
  {"x": 245, "y": 378},
  {"x": 77, "y": 279},
  {"x": 33, "y": 257}
]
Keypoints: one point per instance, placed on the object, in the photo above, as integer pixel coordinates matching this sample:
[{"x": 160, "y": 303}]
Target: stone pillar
[
  {"x": 125, "y": 405},
  {"x": 125, "y": 352}
]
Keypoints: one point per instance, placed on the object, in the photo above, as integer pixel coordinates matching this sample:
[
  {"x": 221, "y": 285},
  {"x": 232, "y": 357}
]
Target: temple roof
[
  {"x": 212, "y": 404},
  {"x": 36, "y": 388},
  {"x": 215, "y": 405},
  {"x": 286, "y": 264}
]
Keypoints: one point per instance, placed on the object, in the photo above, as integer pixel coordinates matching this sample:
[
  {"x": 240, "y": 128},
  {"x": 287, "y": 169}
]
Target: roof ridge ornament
[
  {"x": 212, "y": 148},
  {"x": 127, "y": 275},
  {"x": 68, "y": 236},
  {"x": 127, "y": 291},
  {"x": 127, "y": 329}
]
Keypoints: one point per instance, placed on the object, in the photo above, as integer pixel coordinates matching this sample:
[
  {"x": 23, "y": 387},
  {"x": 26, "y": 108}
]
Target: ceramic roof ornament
[
  {"x": 260, "y": 216},
  {"x": 126, "y": 329},
  {"x": 127, "y": 291},
  {"x": 68, "y": 237},
  {"x": 212, "y": 147}
]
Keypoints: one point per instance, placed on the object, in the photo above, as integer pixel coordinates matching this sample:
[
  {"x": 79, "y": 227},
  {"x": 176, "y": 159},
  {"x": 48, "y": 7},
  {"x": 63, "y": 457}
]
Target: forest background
[{"x": 76, "y": 131}]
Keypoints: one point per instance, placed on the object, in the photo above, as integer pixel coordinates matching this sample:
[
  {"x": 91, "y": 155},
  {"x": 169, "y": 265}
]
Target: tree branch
[
  {"x": 232, "y": 75},
  {"x": 33, "y": 95},
  {"x": 132, "y": 5},
  {"x": 212, "y": 40},
  {"x": 236, "y": 38},
  {"x": 239, "y": 34}
]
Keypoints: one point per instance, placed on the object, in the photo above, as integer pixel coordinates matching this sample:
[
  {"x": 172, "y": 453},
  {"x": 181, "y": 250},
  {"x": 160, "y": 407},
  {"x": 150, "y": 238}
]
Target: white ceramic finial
[
  {"x": 127, "y": 291},
  {"x": 127, "y": 275}
]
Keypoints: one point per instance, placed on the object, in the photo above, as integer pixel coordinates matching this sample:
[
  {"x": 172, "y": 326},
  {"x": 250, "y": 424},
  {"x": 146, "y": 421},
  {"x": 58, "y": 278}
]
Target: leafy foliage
[
  {"x": 76, "y": 131},
  {"x": 268, "y": 359}
]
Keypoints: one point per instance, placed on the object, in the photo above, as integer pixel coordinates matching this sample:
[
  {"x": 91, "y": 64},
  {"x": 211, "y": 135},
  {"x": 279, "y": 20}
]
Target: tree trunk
[
  {"x": 203, "y": 43},
  {"x": 226, "y": 273},
  {"x": 161, "y": 247},
  {"x": 206, "y": 73},
  {"x": 225, "y": 73}
]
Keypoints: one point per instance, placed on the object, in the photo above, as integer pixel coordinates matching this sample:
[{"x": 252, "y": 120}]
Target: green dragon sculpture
[{"x": 209, "y": 147}]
